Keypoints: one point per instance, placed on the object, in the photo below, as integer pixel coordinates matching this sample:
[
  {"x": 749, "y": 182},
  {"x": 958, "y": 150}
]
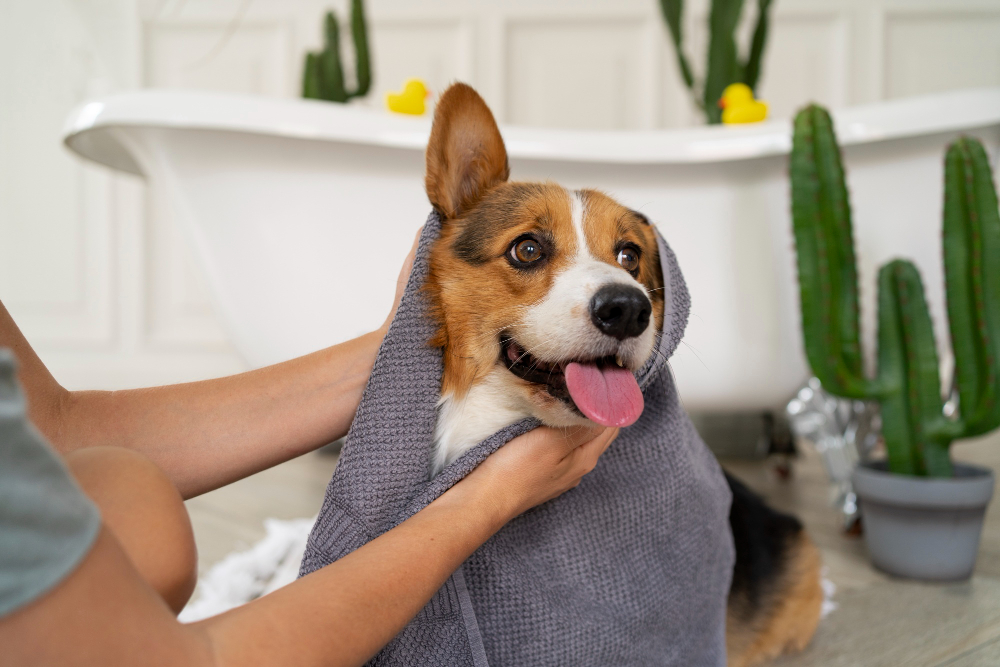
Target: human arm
[
  {"x": 207, "y": 434},
  {"x": 104, "y": 613}
]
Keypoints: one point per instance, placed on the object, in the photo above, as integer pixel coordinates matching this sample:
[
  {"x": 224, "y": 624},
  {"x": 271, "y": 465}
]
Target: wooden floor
[{"x": 880, "y": 621}]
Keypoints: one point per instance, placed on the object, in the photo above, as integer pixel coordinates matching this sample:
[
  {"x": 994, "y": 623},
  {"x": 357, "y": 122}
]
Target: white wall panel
[
  {"x": 437, "y": 50},
  {"x": 928, "y": 52},
  {"x": 105, "y": 285},
  {"x": 56, "y": 264},
  {"x": 806, "y": 61},
  {"x": 579, "y": 73},
  {"x": 245, "y": 58}
]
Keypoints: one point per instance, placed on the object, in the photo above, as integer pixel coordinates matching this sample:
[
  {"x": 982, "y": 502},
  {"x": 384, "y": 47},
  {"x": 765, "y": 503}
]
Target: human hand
[
  {"x": 401, "y": 280},
  {"x": 535, "y": 467}
]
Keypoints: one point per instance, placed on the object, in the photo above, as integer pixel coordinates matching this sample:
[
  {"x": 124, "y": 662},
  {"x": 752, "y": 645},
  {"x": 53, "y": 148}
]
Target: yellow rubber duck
[
  {"x": 411, "y": 100},
  {"x": 739, "y": 106}
]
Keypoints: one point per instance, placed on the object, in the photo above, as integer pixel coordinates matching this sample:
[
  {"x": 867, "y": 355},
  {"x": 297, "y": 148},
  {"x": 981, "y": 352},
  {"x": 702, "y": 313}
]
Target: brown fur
[
  {"x": 465, "y": 153},
  {"x": 472, "y": 307},
  {"x": 786, "y": 621}
]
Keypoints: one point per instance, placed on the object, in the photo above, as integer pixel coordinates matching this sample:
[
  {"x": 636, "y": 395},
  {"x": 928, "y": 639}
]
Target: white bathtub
[{"x": 301, "y": 212}]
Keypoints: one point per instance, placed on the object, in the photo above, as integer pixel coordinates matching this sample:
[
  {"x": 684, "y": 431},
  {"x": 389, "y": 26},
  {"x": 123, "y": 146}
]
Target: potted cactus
[
  {"x": 323, "y": 73},
  {"x": 923, "y": 513},
  {"x": 724, "y": 64}
]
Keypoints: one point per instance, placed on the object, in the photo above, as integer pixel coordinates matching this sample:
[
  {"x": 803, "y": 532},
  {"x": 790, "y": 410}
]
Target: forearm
[
  {"x": 208, "y": 434},
  {"x": 345, "y": 612},
  {"x": 340, "y": 615}
]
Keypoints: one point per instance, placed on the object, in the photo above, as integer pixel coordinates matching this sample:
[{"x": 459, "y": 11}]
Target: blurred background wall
[{"x": 106, "y": 290}]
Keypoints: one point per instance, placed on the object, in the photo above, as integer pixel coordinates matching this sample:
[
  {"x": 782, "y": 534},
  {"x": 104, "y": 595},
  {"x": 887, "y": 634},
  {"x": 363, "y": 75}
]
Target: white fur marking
[
  {"x": 578, "y": 211},
  {"x": 490, "y": 405}
]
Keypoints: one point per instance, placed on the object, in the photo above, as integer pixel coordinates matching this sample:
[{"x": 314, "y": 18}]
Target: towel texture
[{"x": 630, "y": 568}]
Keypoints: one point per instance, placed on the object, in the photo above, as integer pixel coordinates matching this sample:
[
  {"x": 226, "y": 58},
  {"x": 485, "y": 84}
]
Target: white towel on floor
[{"x": 246, "y": 575}]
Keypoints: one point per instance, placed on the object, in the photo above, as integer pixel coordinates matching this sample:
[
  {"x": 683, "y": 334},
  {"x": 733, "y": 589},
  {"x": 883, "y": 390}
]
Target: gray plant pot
[{"x": 923, "y": 528}]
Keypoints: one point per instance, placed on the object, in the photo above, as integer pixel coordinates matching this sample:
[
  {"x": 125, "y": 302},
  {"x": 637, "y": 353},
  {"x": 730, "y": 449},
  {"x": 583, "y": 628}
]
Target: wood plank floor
[{"x": 882, "y": 621}]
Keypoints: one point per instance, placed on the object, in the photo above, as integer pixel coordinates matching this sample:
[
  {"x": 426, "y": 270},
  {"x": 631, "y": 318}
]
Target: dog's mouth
[{"x": 600, "y": 389}]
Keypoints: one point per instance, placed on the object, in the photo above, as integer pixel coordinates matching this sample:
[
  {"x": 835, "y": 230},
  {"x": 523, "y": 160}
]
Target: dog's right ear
[{"x": 465, "y": 154}]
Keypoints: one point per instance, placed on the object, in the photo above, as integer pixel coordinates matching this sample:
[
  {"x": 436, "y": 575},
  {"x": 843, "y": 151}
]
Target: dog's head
[{"x": 558, "y": 290}]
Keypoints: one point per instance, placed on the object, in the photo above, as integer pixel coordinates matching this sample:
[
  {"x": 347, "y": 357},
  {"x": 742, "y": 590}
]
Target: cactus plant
[
  {"x": 907, "y": 385},
  {"x": 724, "y": 64},
  {"x": 323, "y": 74}
]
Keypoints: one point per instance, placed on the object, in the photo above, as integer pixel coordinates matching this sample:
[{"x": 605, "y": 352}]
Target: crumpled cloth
[{"x": 632, "y": 567}]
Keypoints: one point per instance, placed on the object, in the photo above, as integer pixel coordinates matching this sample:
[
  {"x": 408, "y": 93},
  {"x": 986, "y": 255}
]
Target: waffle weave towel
[{"x": 630, "y": 568}]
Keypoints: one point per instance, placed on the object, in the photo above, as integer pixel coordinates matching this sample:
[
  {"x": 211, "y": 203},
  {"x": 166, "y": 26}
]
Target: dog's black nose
[{"x": 620, "y": 311}]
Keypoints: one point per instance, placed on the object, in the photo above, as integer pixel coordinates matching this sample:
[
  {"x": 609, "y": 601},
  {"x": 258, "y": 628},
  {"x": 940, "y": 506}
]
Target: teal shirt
[{"x": 47, "y": 525}]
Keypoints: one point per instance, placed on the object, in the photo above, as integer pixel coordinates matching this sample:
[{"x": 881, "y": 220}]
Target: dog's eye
[
  {"x": 526, "y": 251},
  {"x": 628, "y": 257}
]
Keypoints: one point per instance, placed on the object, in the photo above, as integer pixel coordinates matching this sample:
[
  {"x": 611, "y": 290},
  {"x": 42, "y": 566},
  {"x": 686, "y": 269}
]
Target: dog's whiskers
[{"x": 695, "y": 353}]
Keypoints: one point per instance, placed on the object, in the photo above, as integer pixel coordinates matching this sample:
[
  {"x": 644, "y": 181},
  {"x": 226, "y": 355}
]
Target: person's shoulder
[{"x": 47, "y": 524}]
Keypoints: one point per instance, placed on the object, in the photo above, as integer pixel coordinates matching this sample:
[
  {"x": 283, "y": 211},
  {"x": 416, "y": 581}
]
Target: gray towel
[{"x": 630, "y": 568}]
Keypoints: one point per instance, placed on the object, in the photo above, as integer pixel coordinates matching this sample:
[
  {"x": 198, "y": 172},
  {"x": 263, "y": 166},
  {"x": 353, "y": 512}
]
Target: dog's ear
[{"x": 465, "y": 154}]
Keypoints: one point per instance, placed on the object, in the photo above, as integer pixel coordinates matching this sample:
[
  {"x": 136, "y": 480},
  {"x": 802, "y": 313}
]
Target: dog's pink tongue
[{"x": 609, "y": 396}]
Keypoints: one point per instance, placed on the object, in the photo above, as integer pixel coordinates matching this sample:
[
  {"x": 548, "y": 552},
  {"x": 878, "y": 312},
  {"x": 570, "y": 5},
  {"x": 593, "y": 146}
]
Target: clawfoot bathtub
[{"x": 300, "y": 213}]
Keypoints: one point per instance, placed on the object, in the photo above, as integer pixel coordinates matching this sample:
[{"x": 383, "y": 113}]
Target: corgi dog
[{"x": 547, "y": 301}]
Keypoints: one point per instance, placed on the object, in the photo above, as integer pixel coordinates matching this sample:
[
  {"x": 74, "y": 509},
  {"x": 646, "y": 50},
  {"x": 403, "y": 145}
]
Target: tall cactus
[
  {"x": 323, "y": 74},
  {"x": 907, "y": 384},
  {"x": 724, "y": 63}
]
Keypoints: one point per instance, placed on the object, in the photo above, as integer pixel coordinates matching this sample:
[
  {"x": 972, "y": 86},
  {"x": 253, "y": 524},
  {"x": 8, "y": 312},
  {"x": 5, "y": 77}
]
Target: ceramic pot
[{"x": 922, "y": 527}]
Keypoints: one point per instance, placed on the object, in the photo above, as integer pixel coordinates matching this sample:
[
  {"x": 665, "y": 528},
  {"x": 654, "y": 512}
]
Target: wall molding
[{"x": 124, "y": 304}]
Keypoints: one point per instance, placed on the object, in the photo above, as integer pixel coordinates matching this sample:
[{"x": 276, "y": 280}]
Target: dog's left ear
[{"x": 465, "y": 155}]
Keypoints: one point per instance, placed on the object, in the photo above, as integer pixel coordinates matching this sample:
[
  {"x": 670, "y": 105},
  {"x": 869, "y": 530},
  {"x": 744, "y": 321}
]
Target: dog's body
[{"x": 548, "y": 301}]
